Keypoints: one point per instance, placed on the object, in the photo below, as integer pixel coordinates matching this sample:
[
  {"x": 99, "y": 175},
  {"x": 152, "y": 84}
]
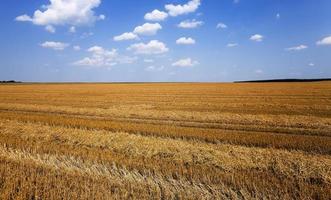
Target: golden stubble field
[{"x": 165, "y": 141}]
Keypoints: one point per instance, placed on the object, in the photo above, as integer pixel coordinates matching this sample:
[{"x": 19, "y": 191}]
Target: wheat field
[{"x": 165, "y": 141}]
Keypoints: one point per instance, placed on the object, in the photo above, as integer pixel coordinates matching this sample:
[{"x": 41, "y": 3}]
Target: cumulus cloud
[
  {"x": 324, "y": 41},
  {"x": 153, "y": 47},
  {"x": 54, "y": 45},
  {"x": 232, "y": 45},
  {"x": 257, "y": 38},
  {"x": 126, "y": 36},
  {"x": 221, "y": 26},
  {"x": 65, "y": 12},
  {"x": 187, "y": 62},
  {"x": 190, "y": 7},
  {"x": 23, "y": 18},
  {"x": 156, "y": 15},
  {"x": 190, "y": 24},
  {"x": 185, "y": 41},
  {"x": 297, "y": 48},
  {"x": 147, "y": 29},
  {"x": 311, "y": 64},
  {"x": 50, "y": 28},
  {"x": 101, "y": 57}
]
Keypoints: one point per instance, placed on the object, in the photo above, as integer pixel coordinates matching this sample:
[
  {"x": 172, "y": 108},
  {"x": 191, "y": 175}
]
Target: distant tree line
[
  {"x": 10, "y": 81},
  {"x": 285, "y": 80}
]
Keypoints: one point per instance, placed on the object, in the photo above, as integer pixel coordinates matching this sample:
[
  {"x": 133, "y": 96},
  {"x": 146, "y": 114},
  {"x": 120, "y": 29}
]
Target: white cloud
[
  {"x": 297, "y": 48},
  {"x": 221, "y": 25},
  {"x": 126, "y": 36},
  {"x": 76, "y": 48},
  {"x": 72, "y": 29},
  {"x": 156, "y": 15},
  {"x": 50, "y": 28},
  {"x": 257, "y": 38},
  {"x": 23, "y": 18},
  {"x": 101, "y": 57},
  {"x": 311, "y": 64},
  {"x": 232, "y": 45},
  {"x": 190, "y": 24},
  {"x": 65, "y": 12},
  {"x": 187, "y": 62},
  {"x": 324, "y": 41},
  {"x": 175, "y": 10},
  {"x": 153, "y": 47},
  {"x": 54, "y": 45},
  {"x": 102, "y": 17},
  {"x": 184, "y": 40},
  {"x": 147, "y": 29}
]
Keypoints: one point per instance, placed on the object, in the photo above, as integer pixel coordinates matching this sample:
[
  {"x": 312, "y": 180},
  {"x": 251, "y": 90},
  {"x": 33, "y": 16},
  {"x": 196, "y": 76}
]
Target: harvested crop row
[
  {"x": 307, "y": 143},
  {"x": 141, "y": 112},
  {"x": 226, "y": 157},
  {"x": 246, "y": 166}
]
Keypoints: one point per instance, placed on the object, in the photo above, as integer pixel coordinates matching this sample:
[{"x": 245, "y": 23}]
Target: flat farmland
[{"x": 165, "y": 141}]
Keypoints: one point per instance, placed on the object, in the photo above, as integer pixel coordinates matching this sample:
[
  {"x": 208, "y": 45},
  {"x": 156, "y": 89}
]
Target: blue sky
[{"x": 182, "y": 40}]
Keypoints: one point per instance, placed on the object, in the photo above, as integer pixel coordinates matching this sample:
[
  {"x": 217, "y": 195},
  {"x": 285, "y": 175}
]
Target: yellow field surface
[{"x": 165, "y": 141}]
